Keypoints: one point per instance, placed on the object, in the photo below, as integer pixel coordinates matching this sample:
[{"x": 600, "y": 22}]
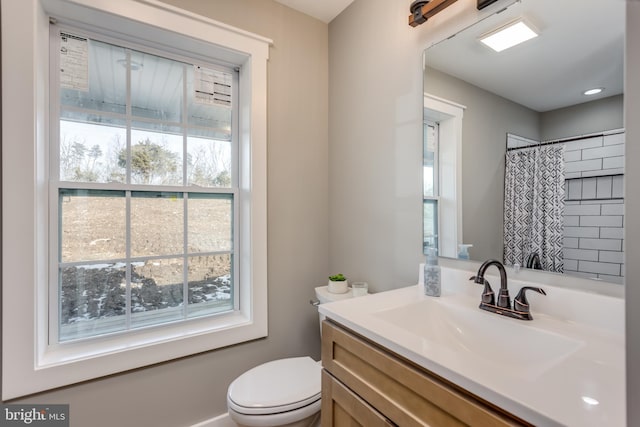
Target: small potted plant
[{"x": 338, "y": 284}]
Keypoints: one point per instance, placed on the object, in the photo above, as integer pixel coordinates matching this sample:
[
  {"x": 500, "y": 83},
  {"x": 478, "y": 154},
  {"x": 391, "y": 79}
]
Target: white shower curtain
[{"x": 534, "y": 206}]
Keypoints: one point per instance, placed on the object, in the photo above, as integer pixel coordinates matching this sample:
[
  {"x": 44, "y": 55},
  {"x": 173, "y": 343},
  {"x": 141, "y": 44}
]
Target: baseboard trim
[{"x": 220, "y": 421}]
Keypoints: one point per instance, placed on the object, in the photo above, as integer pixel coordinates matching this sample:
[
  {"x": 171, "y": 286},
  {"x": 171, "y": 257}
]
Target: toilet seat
[{"x": 278, "y": 386}]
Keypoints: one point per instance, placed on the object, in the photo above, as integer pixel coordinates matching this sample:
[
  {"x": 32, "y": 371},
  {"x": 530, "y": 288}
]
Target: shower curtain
[{"x": 534, "y": 206}]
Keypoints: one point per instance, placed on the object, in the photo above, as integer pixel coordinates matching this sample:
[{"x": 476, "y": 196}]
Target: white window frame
[
  {"x": 435, "y": 197},
  {"x": 30, "y": 363},
  {"x": 449, "y": 117},
  {"x": 183, "y": 188}
]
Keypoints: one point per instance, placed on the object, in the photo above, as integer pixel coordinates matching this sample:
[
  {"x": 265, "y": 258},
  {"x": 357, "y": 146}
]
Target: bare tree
[{"x": 210, "y": 166}]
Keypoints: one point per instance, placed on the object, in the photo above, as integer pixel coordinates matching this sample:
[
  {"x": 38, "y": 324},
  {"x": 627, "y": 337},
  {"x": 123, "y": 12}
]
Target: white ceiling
[
  {"x": 324, "y": 10},
  {"x": 581, "y": 45}
]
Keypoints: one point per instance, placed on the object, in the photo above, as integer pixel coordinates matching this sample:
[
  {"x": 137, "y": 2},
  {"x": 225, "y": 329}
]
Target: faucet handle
[
  {"x": 520, "y": 302},
  {"x": 488, "y": 296},
  {"x": 504, "y": 300}
]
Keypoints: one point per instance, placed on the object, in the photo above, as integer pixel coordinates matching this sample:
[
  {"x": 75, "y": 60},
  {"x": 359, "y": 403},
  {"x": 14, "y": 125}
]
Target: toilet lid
[{"x": 277, "y": 386}]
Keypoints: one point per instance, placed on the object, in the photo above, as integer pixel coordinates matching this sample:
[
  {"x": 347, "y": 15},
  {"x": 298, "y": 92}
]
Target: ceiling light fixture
[
  {"x": 135, "y": 65},
  {"x": 509, "y": 35},
  {"x": 590, "y": 400},
  {"x": 593, "y": 91}
]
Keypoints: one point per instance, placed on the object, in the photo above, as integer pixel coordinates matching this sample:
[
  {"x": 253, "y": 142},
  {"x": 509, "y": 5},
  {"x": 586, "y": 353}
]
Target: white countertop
[{"x": 584, "y": 387}]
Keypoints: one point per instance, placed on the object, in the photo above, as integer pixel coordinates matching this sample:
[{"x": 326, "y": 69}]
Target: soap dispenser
[
  {"x": 432, "y": 286},
  {"x": 463, "y": 251}
]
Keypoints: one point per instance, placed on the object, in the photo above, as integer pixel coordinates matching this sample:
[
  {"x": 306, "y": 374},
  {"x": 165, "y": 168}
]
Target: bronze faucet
[{"x": 520, "y": 308}]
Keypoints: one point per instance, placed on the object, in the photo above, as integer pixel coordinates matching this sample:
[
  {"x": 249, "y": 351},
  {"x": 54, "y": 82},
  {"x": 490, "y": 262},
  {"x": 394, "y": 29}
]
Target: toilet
[{"x": 283, "y": 392}]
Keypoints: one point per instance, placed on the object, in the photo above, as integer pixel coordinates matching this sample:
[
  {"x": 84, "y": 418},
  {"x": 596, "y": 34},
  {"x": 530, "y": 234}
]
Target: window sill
[{"x": 156, "y": 344}]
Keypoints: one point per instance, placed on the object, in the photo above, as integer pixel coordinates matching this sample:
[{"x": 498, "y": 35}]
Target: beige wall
[
  {"x": 186, "y": 391},
  {"x": 582, "y": 119}
]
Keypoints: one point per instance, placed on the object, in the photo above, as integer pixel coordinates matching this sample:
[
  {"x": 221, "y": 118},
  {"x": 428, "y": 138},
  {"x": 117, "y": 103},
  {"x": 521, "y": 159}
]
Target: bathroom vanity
[
  {"x": 368, "y": 384},
  {"x": 398, "y": 357}
]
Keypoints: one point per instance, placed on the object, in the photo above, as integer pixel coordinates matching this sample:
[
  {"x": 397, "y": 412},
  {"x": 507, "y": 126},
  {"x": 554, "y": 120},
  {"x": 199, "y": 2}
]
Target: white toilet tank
[{"x": 323, "y": 296}]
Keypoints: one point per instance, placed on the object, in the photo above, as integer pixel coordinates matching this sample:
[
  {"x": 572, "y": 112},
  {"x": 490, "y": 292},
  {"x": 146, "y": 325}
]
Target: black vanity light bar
[
  {"x": 421, "y": 10},
  {"x": 484, "y": 3}
]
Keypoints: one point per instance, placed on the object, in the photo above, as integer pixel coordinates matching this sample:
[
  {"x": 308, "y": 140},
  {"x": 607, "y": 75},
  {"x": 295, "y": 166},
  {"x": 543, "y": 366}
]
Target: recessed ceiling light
[
  {"x": 135, "y": 65},
  {"x": 593, "y": 91},
  {"x": 590, "y": 400},
  {"x": 508, "y": 36}
]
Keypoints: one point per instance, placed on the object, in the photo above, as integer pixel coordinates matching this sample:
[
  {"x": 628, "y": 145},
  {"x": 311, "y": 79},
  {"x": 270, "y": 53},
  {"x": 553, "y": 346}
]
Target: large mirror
[{"x": 518, "y": 161}]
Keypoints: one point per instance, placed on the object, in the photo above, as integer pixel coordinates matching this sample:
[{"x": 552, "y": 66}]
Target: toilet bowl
[
  {"x": 280, "y": 393},
  {"x": 284, "y": 392}
]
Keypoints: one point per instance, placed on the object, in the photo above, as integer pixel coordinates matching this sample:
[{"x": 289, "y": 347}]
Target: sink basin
[{"x": 493, "y": 341}]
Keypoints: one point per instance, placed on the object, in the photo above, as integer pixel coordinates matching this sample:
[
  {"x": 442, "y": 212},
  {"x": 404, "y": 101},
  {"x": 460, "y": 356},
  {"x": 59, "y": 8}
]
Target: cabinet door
[
  {"x": 342, "y": 408},
  {"x": 406, "y": 394}
]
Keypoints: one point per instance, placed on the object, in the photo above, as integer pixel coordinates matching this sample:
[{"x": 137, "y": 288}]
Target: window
[
  {"x": 442, "y": 168},
  {"x": 430, "y": 188},
  {"x": 82, "y": 153},
  {"x": 146, "y": 183}
]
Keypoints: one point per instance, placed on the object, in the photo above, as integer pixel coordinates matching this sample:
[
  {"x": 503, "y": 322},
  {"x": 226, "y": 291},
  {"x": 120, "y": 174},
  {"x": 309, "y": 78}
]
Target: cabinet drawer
[
  {"x": 341, "y": 407},
  {"x": 404, "y": 393}
]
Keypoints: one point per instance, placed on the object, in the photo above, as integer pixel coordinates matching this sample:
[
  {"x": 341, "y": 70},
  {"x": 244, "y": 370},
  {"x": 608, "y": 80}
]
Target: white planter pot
[{"x": 338, "y": 287}]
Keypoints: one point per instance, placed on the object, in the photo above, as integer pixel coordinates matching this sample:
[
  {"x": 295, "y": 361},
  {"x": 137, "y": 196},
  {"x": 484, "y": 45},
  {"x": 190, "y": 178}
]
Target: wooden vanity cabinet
[
  {"x": 365, "y": 384},
  {"x": 342, "y": 407}
]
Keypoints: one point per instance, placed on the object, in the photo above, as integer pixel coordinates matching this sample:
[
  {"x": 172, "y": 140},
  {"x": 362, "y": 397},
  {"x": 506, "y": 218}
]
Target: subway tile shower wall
[
  {"x": 594, "y": 210},
  {"x": 596, "y": 156},
  {"x": 594, "y": 204}
]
